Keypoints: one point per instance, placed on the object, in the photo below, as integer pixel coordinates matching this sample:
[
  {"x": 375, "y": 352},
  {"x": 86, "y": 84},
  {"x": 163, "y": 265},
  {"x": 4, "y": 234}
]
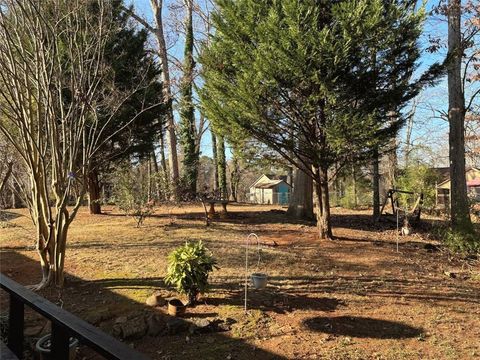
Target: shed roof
[
  {"x": 269, "y": 184},
  {"x": 473, "y": 183},
  {"x": 271, "y": 181},
  {"x": 445, "y": 184}
]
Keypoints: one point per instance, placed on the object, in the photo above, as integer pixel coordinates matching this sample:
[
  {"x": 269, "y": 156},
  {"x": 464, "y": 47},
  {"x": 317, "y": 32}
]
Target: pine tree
[
  {"x": 297, "y": 76},
  {"x": 126, "y": 53}
]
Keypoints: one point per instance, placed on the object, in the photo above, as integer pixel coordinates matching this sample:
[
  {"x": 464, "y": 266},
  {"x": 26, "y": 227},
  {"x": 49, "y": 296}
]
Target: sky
[{"x": 429, "y": 129}]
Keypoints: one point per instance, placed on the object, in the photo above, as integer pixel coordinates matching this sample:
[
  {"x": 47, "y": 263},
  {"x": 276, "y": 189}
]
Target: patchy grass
[{"x": 352, "y": 298}]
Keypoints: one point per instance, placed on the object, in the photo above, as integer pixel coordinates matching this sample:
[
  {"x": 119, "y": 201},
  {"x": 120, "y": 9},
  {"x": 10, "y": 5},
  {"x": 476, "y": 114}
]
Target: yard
[{"x": 352, "y": 298}]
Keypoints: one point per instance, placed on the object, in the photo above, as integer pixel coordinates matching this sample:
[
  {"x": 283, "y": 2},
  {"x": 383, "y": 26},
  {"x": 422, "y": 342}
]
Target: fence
[{"x": 64, "y": 326}]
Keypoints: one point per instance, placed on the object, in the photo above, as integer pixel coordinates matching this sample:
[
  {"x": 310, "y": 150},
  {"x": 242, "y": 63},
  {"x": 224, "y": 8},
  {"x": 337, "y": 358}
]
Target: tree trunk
[
  {"x": 290, "y": 171},
  {"x": 322, "y": 204},
  {"x": 460, "y": 213},
  {"x": 376, "y": 186},
  {"x": 156, "y": 170},
  {"x": 408, "y": 138},
  {"x": 392, "y": 163},
  {"x": 14, "y": 200},
  {"x": 234, "y": 178},
  {"x": 215, "y": 161},
  {"x": 301, "y": 203},
  {"x": 354, "y": 183},
  {"x": 157, "y": 6},
  {"x": 222, "y": 168},
  {"x": 187, "y": 111},
  {"x": 52, "y": 229},
  {"x": 94, "y": 195},
  {"x": 149, "y": 180},
  {"x": 6, "y": 177},
  {"x": 163, "y": 161}
]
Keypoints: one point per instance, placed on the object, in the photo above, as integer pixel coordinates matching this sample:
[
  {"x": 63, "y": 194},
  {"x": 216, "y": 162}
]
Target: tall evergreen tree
[
  {"x": 134, "y": 70},
  {"x": 297, "y": 76},
  {"x": 187, "y": 110}
]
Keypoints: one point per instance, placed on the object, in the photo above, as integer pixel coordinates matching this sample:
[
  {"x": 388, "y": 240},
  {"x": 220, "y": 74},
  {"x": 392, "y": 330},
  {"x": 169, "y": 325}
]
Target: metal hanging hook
[{"x": 246, "y": 262}]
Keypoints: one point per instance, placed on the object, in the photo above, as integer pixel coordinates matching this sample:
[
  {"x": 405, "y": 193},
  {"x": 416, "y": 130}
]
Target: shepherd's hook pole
[
  {"x": 246, "y": 266},
  {"x": 397, "y": 229}
]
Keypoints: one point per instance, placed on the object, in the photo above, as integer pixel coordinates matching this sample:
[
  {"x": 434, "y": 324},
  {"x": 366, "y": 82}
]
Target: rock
[
  {"x": 200, "y": 326},
  {"x": 33, "y": 330},
  {"x": 155, "y": 325},
  {"x": 230, "y": 321},
  {"x": 155, "y": 299},
  {"x": 431, "y": 248},
  {"x": 450, "y": 274},
  {"x": 134, "y": 328},
  {"x": 176, "y": 326},
  {"x": 121, "y": 320},
  {"x": 205, "y": 326},
  {"x": 117, "y": 331},
  {"x": 135, "y": 314},
  {"x": 222, "y": 327},
  {"x": 202, "y": 323},
  {"x": 98, "y": 316}
]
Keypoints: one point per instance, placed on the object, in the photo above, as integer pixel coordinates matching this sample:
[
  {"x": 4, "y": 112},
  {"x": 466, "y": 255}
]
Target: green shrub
[
  {"x": 363, "y": 195},
  {"x": 188, "y": 269},
  {"x": 458, "y": 241},
  {"x": 418, "y": 179}
]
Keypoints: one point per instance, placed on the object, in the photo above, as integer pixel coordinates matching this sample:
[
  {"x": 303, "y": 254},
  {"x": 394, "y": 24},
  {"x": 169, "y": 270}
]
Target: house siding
[{"x": 277, "y": 194}]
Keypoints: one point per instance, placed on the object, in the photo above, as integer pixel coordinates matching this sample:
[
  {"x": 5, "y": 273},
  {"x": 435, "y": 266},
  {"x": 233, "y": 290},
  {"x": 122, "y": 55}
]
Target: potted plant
[{"x": 188, "y": 269}]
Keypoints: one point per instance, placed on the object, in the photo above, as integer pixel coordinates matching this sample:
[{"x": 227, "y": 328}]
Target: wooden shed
[
  {"x": 270, "y": 189},
  {"x": 473, "y": 187}
]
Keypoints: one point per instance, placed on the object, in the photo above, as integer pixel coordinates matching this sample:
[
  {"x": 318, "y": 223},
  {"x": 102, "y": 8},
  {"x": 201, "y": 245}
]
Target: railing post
[
  {"x": 60, "y": 347},
  {"x": 15, "y": 326}
]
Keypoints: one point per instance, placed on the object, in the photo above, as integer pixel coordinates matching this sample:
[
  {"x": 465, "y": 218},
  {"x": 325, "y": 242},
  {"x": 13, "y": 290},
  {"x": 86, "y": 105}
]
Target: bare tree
[
  {"x": 5, "y": 177},
  {"x": 6, "y": 165},
  {"x": 158, "y": 31},
  {"x": 472, "y": 137},
  {"x": 54, "y": 89},
  {"x": 157, "y": 6}
]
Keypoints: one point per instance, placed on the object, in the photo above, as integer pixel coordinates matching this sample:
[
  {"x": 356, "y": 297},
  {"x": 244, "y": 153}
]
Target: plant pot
[
  {"x": 259, "y": 280},
  {"x": 44, "y": 343},
  {"x": 176, "y": 307}
]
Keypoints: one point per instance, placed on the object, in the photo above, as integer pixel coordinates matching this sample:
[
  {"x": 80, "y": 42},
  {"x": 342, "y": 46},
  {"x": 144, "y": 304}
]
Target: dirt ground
[{"x": 352, "y": 298}]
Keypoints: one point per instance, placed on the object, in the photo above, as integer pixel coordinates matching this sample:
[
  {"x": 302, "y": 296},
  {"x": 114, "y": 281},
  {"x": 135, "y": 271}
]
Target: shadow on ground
[
  {"x": 100, "y": 304},
  {"x": 361, "y": 327},
  {"x": 8, "y": 215}
]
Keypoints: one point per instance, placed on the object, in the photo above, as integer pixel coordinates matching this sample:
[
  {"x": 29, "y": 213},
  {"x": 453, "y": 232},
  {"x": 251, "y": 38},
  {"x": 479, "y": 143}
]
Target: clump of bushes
[
  {"x": 356, "y": 196},
  {"x": 188, "y": 269},
  {"x": 464, "y": 242},
  {"x": 418, "y": 178}
]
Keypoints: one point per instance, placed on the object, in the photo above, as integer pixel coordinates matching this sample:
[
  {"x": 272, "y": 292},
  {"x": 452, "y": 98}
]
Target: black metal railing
[{"x": 64, "y": 326}]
